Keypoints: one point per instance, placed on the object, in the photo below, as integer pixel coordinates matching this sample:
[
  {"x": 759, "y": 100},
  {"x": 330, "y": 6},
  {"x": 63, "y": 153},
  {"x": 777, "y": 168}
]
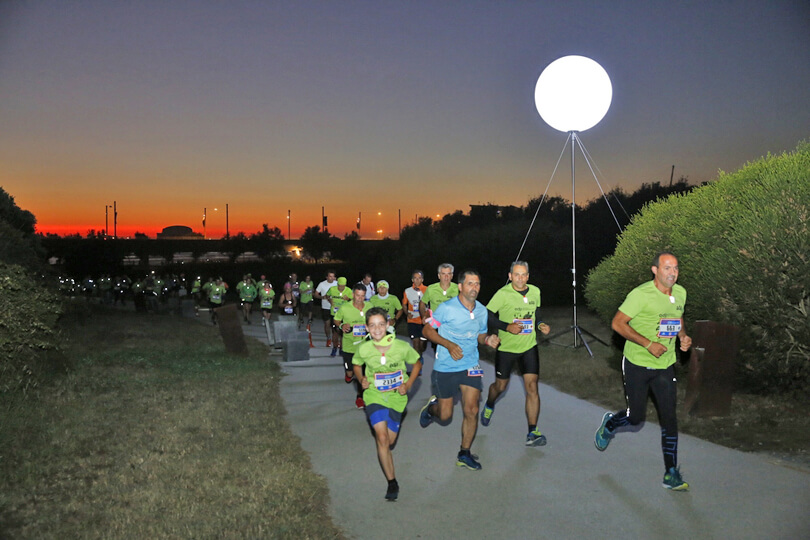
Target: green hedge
[
  {"x": 743, "y": 247},
  {"x": 29, "y": 310}
]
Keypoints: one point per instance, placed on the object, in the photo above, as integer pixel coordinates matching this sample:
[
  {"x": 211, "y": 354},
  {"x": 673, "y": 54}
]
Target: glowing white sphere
[{"x": 573, "y": 93}]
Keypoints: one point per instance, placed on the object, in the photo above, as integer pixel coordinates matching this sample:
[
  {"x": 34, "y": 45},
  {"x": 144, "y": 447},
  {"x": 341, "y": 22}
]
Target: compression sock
[{"x": 669, "y": 446}]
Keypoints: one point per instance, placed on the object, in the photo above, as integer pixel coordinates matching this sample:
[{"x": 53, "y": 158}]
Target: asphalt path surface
[{"x": 566, "y": 489}]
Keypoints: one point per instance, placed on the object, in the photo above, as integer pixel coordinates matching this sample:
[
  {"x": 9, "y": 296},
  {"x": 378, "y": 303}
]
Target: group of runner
[
  {"x": 295, "y": 299},
  {"x": 450, "y": 316}
]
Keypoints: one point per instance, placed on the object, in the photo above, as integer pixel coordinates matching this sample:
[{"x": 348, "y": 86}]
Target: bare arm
[
  {"x": 430, "y": 333},
  {"x": 621, "y": 325},
  {"x": 422, "y": 310},
  {"x": 358, "y": 374}
]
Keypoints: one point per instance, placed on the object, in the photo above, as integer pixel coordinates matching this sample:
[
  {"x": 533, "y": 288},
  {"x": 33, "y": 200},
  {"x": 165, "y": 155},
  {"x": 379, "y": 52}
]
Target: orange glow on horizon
[{"x": 372, "y": 229}]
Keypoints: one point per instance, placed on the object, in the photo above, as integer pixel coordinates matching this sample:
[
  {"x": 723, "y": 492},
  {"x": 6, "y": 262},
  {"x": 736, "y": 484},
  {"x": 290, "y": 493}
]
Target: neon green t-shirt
[
  {"x": 390, "y": 303},
  {"x": 657, "y": 317},
  {"x": 266, "y": 296},
  {"x": 306, "y": 291},
  {"x": 384, "y": 379},
  {"x": 338, "y": 298},
  {"x": 435, "y": 296},
  {"x": 355, "y": 317},
  {"x": 248, "y": 292},
  {"x": 216, "y": 294},
  {"x": 511, "y": 306}
]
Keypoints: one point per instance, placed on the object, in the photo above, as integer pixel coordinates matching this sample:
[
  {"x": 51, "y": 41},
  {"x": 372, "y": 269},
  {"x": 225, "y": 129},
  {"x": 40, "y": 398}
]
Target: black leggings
[{"x": 638, "y": 383}]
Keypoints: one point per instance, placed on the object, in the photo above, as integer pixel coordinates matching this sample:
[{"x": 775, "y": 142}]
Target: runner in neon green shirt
[
  {"x": 306, "y": 289},
  {"x": 650, "y": 319},
  {"x": 247, "y": 295},
  {"x": 216, "y": 297},
  {"x": 266, "y": 301},
  {"x": 351, "y": 320},
  {"x": 438, "y": 293},
  {"x": 389, "y": 302},
  {"x": 380, "y": 366},
  {"x": 337, "y": 295},
  {"x": 514, "y": 310}
]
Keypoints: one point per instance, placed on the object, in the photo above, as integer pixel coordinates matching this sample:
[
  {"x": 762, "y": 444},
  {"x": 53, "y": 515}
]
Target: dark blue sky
[{"x": 416, "y": 107}]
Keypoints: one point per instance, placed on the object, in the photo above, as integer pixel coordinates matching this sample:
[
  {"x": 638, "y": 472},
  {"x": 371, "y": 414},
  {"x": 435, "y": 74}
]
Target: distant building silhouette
[{"x": 178, "y": 232}]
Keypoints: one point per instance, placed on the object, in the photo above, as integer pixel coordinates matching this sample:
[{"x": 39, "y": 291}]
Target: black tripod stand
[{"x": 575, "y": 328}]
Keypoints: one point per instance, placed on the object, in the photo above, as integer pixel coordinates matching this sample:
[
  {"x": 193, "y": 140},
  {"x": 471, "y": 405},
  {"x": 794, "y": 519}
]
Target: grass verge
[
  {"x": 778, "y": 425},
  {"x": 156, "y": 433}
]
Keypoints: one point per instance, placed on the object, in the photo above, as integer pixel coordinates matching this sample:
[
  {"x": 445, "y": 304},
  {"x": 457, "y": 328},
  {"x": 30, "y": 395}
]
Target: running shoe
[
  {"x": 603, "y": 435},
  {"x": 348, "y": 378},
  {"x": 393, "y": 491},
  {"x": 486, "y": 415},
  {"x": 467, "y": 460},
  {"x": 359, "y": 403},
  {"x": 673, "y": 480},
  {"x": 535, "y": 438},
  {"x": 334, "y": 351},
  {"x": 425, "y": 418}
]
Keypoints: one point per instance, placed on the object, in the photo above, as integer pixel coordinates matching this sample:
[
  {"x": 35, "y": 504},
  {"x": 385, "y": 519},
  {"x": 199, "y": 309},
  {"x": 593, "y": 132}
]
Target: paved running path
[{"x": 566, "y": 489}]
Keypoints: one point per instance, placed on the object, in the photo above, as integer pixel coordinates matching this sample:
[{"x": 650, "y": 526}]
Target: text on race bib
[
  {"x": 385, "y": 382},
  {"x": 359, "y": 330},
  {"x": 669, "y": 328},
  {"x": 475, "y": 371},
  {"x": 526, "y": 325}
]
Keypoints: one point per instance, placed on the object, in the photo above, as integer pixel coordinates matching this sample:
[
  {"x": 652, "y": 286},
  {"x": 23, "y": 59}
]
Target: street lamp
[
  {"x": 107, "y": 220},
  {"x": 360, "y": 219}
]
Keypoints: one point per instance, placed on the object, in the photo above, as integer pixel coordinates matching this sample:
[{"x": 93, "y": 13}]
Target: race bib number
[
  {"x": 385, "y": 382},
  {"x": 359, "y": 330},
  {"x": 267, "y": 303},
  {"x": 526, "y": 325},
  {"x": 669, "y": 328},
  {"x": 475, "y": 371},
  {"x": 335, "y": 309},
  {"x": 215, "y": 298},
  {"x": 288, "y": 310}
]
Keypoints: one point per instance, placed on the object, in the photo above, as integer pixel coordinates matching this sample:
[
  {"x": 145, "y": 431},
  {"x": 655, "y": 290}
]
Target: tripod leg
[
  {"x": 593, "y": 336},
  {"x": 587, "y": 347}
]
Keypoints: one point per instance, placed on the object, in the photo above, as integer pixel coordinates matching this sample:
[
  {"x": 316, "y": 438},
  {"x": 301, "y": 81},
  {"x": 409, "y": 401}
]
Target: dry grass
[
  {"x": 157, "y": 433},
  {"x": 778, "y": 425}
]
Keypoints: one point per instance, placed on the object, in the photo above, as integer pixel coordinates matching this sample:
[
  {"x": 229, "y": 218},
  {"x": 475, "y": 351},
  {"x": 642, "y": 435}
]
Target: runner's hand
[
  {"x": 656, "y": 349},
  {"x": 514, "y": 328}
]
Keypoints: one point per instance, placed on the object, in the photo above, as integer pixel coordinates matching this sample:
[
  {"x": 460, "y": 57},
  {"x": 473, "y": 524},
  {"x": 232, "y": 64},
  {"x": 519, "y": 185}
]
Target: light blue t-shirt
[{"x": 459, "y": 325}]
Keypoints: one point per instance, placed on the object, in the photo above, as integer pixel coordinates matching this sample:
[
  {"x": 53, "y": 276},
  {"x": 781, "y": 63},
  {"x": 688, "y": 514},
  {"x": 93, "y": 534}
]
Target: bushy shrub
[
  {"x": 27, "y": 338},
  {"x": 743, "y": 245}
]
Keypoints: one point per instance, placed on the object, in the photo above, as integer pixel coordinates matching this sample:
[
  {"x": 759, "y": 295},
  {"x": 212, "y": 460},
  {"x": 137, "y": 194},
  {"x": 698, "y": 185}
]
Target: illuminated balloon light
[{"x": 573, "y": 93}]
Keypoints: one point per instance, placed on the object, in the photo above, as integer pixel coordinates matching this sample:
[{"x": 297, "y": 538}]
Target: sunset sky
[{"x": 398, "y": 107}]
